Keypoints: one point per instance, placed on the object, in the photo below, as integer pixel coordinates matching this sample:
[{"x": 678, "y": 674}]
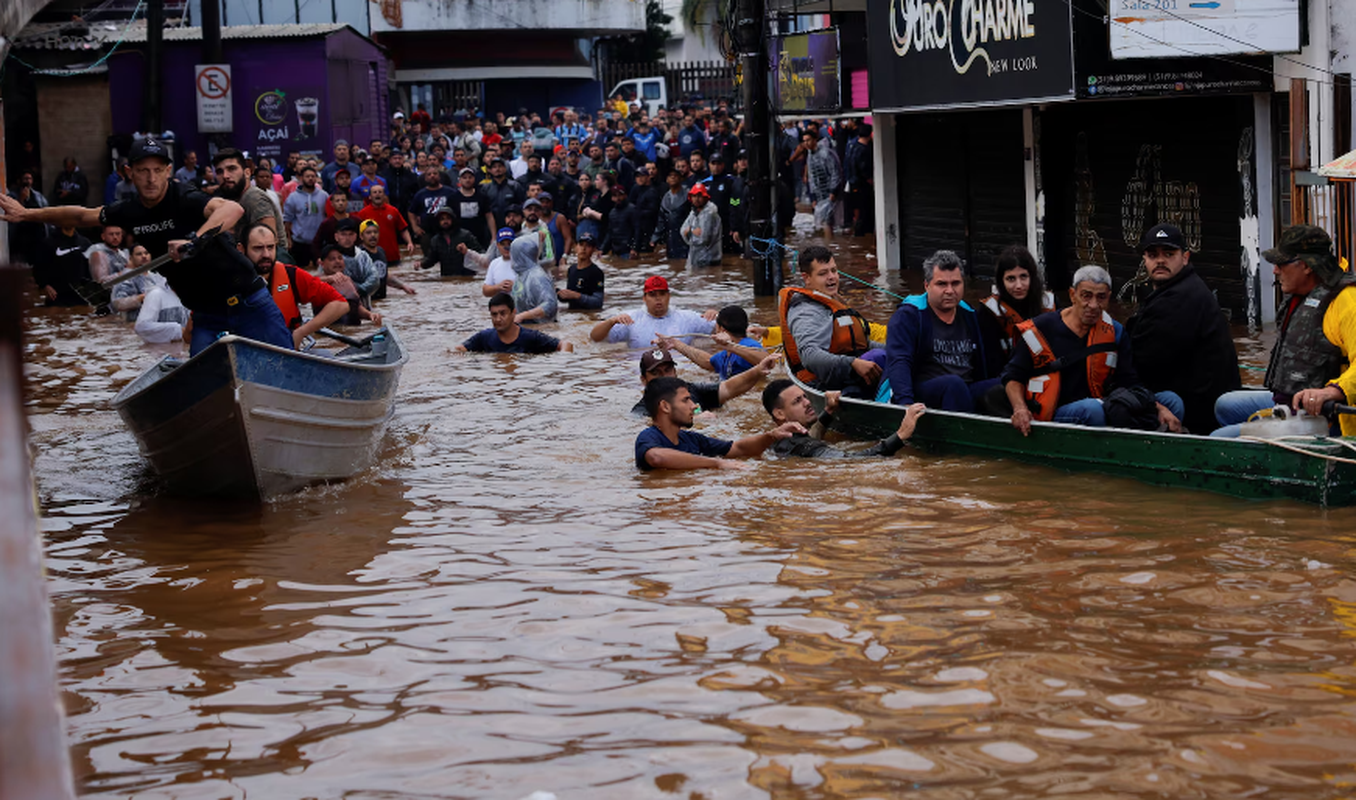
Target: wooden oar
[
  {"x": 366, "y": 341},
  {"x": 99, "y": 293}
]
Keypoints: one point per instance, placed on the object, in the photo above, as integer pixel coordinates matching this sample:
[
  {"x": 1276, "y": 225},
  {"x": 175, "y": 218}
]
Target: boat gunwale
[{"x": 122, "y": 398}]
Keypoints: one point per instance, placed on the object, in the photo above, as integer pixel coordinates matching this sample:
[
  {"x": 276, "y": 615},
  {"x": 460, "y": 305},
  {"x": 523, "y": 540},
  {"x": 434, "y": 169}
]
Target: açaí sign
[{"x": 951, "y": 53}]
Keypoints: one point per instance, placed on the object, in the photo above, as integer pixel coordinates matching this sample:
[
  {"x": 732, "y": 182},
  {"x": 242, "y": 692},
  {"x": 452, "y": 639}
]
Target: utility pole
[
  {"x": 752, "y": 38},
  {"x": 155, "y": 52},
  {"x": 211, "y": 32}
]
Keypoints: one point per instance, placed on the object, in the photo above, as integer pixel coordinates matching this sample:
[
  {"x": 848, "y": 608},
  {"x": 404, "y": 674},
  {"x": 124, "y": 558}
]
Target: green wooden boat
[{"x": 1311, "y": 469}]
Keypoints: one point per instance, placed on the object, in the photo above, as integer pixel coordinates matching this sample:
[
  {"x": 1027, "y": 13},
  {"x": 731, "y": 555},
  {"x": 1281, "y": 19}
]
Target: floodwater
[{"x": 504, "y": 605}]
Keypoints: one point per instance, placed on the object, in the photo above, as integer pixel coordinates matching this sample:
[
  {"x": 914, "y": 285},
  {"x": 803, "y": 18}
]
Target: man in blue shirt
[
  {"x": 691, "y": 138},
  {"x": 507, "y": 336},
  {"x": 645, "y": 138},
  {"x": 668, "y": 444},
  {"x": 738, "y": 353}
]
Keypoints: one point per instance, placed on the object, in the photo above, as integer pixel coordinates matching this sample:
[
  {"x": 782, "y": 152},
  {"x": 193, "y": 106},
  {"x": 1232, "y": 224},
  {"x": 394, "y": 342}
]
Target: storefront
[
  {"x": 1009, "y": 123},
  {"x": 952, "y": 88},
  {"x": 292, "y": 87}
]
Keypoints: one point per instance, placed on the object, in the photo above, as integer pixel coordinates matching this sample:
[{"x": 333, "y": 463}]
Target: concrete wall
[
  {"x": 597, "y": 17},
  {"x": 75, "y": 119}
]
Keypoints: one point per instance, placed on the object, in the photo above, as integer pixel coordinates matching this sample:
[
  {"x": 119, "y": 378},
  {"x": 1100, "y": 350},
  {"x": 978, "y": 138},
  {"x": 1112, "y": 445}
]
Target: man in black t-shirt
[
  {"x": 507, "y": 336},
  {"x": 473, "y": 207},
  {"x": 584, "y": 281},
  {"x": 212, "y": 278}
]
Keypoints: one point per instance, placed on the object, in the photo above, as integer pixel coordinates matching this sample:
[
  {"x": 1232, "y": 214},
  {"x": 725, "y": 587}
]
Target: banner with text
[
  {"x": 287, "y": 119},
  {"x": 955, "y": 53},
  {"x": 806, "y": 66}
]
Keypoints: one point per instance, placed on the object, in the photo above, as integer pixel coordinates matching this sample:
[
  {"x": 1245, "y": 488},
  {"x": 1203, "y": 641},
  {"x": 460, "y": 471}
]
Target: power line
[
  {"x": 91, "y": 67},
  {"x": 1179, "y": 48},
  {"x": 1223, "y": 35}
]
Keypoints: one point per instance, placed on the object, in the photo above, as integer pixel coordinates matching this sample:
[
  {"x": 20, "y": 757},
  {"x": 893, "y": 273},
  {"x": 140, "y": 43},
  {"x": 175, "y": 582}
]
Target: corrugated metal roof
[{"x": 78, "y": 36}]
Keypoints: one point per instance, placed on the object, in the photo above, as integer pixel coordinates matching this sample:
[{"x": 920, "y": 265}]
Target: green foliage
[{"x": 647, "y": 47}]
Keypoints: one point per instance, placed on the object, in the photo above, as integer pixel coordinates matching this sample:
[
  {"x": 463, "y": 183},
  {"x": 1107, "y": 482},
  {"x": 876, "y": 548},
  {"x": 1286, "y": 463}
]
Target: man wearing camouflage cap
[{"x": 1311, "y": 362}]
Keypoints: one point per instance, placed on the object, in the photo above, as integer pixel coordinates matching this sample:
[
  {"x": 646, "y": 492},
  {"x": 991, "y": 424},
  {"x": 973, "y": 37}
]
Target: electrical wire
[
  {"x": 1244, "y": 65},
  {"x": 91, "y": 67}
]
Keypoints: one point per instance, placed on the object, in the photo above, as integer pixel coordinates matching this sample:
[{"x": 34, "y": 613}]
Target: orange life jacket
[
  {"x": 851, "y": 332},
  {"x": 1043, "y": 387},
  {"x": 1007, "y": 317},
  {"x": 283, "y": 289}
]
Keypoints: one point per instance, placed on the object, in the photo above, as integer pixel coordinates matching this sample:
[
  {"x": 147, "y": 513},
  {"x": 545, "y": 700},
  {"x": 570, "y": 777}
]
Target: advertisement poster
[
  {"x": 806, "y": 66},
  {"x": 955, "y": 53},
  {"x": 285, "y": 119}
]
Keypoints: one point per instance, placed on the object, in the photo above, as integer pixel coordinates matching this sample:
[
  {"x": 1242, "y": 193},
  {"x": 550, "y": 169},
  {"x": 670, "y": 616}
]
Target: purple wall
[{"x": 344, "y": 73}]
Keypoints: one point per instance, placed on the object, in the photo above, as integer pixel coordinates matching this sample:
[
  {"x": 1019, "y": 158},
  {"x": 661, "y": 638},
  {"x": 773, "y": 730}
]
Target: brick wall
[{"x": 75, "y": 119}]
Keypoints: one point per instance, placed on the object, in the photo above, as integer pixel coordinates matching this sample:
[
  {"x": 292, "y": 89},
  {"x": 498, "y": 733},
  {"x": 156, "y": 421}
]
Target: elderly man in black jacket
[{"x": 1179, "y": 336}]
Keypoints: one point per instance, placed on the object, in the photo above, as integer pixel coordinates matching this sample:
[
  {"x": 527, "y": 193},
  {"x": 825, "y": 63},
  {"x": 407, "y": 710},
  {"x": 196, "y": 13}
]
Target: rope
[
  {"x": 96, "y": 64},
  {"x": 768, "y": 246},
  {"x": 1292, "y": 448}
]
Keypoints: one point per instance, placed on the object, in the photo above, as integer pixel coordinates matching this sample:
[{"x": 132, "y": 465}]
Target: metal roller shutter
[
  {"x": 1114, "y": 169},
  {"x": 961, "y": 186}
]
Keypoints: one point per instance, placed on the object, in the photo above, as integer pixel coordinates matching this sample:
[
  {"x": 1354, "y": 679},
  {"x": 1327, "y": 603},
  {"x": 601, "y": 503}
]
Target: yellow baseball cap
[{"x": 368, "y": 223}]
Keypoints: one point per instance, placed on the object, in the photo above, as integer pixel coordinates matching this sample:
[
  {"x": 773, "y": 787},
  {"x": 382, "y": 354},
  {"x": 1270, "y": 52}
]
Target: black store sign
[{"x": 951, "y": 53}]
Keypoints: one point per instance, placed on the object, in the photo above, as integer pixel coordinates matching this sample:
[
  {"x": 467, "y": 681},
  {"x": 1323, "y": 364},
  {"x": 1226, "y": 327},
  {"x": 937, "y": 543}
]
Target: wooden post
[{"x": 1299, "y": 150}]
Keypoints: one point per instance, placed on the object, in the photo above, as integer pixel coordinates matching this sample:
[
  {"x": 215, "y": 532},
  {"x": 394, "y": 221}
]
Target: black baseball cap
[
  {"x": 349, "y": 224},
  {"x": 149, "y": 147},
  {"x": 1163, "y": 234}
]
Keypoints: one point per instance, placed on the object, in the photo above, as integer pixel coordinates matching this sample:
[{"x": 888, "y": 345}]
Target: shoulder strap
[
  {"x": 292, "y": 285},
  {"x": 1069, "y": 359}
]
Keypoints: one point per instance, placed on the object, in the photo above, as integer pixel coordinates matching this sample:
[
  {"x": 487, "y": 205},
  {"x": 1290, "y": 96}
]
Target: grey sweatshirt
[{"x": 811, "y": 326}]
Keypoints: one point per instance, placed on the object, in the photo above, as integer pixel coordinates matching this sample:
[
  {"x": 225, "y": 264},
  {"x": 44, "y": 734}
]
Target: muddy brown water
[{"x": 504, "y": 605}]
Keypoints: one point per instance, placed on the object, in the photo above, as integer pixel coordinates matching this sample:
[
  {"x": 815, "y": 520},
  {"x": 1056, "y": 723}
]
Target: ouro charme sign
[{"x": 955, "y": 53}]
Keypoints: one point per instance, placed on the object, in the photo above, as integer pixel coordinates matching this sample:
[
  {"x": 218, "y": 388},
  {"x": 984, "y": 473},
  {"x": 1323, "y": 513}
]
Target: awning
[{"x": 1343, "y": 168}]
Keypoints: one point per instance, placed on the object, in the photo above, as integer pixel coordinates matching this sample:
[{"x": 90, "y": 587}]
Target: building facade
[
  {"x": 496, "y": 55},
  {"x": 1043, "y": 123}
]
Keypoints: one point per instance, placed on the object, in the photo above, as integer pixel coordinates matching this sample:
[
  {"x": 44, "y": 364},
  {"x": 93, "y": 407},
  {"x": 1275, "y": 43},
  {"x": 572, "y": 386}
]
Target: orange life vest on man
[
  {"x": 282, "y": 287},
  {"x": 1100, "y": 357},
  {"x": 851, "y": 332}
]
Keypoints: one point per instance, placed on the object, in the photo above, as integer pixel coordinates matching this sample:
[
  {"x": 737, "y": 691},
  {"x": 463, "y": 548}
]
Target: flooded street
[{"x": 506, "y": 605}]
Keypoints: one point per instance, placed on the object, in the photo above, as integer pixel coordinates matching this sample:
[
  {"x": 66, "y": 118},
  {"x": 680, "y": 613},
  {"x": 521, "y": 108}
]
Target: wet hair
[
  {"x": 733, "y": 319},
  {"x": 945, "y": 260},
  {"x": 1012, "y": 257},
  {"x": 307, "y": 169},
  {"x": 1093, "y": 273},
  {"x": 772, "y": 394},
  {"x": 812, "y": 254},
  {"x": 661, "y": 390},
  {"x": 330, "y": 248},
  {"x": 502, "y": 300},
  {"x": 228, "y": 154},
  {"x": 340, "y": 193}
]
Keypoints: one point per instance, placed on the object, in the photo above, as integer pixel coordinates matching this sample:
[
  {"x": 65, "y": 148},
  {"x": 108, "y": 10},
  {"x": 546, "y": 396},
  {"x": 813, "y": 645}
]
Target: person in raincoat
[
  {"x": 534, "y": 293},
  {"x": 701, "y": 229}
]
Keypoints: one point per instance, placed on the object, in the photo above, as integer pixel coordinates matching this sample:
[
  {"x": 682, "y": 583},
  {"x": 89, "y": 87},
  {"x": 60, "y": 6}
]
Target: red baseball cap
[
  {"x": 699, "y": 188},
  {"x": 655, "y": 283}
]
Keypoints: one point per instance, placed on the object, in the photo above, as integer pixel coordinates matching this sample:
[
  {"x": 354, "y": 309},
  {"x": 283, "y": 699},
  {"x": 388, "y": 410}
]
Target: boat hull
[
  {"x": 1241, "y": 468},
  {"x": 243, "y": 418}
]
